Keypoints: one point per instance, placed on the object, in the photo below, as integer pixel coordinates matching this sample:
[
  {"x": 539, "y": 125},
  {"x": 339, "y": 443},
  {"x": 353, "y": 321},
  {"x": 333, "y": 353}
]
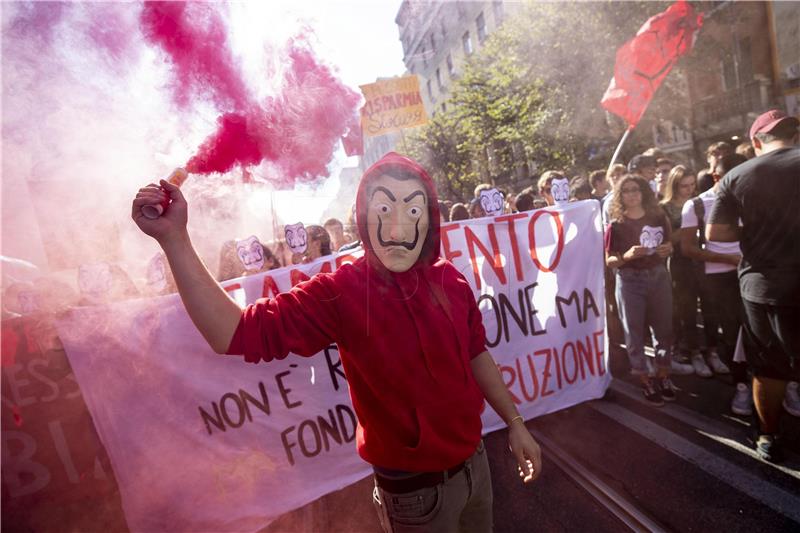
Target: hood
[{"x": 393, "y": 160}]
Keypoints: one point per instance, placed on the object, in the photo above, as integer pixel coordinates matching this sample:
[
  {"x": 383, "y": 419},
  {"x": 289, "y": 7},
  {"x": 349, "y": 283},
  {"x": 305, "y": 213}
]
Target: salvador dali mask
[
  {"x": 651, "y": 236},
  {"x": 492, "y": 202},
  {"x": 296, "y": 237},
  {"x": 397, "y": 221},
  {"x": 251, "y": 253},
  {"x": 560, "y": 190}
]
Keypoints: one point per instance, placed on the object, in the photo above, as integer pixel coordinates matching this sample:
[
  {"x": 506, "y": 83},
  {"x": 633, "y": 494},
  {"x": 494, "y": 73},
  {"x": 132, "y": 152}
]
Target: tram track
[{"x": 621, "y": 507}]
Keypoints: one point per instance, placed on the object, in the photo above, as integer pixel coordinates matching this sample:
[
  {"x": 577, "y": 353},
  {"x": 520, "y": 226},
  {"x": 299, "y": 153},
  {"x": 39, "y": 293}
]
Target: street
[{"x": 687, "y": 466}]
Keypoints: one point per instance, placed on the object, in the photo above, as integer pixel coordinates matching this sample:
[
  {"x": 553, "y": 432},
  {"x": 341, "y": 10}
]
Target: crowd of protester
[{"x": 664, "y": 277}]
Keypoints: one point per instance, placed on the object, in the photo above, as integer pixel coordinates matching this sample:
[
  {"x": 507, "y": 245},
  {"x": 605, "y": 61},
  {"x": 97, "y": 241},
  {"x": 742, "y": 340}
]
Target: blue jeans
[{"x": 644, "y": 298}]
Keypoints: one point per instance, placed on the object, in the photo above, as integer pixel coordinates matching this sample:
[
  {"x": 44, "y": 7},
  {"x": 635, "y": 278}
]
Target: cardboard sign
[{"x": 392, "y": 105}]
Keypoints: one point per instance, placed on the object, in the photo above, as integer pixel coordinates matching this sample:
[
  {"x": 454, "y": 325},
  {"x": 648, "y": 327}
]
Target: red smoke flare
[
  {"x": 297, "y": 130},
  {"x": 193, "y": 36}
]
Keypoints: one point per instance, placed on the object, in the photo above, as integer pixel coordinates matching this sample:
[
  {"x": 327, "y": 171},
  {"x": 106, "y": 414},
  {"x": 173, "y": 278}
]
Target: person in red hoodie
[{"x": 410, "y": 337}]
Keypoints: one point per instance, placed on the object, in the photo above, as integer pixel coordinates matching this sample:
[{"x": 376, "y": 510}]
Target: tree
[{"x": 529, "y": 99}]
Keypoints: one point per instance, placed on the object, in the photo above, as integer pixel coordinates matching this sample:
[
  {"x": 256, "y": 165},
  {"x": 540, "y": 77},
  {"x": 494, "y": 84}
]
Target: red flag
[
  {"x": 644, "y": 61},
  {"x": 353, "y": 140}
]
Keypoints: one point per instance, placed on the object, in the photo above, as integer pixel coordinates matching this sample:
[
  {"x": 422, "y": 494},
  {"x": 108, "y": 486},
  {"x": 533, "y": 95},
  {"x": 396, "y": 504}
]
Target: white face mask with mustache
[{"x": 397, "y": 221}]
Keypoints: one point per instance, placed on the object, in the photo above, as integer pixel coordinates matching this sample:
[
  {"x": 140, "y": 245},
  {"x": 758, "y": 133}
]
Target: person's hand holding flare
[{"x": 172, "y": 223}]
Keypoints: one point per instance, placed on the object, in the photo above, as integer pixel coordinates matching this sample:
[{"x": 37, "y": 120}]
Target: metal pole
[{"x": 619, "y": 147}]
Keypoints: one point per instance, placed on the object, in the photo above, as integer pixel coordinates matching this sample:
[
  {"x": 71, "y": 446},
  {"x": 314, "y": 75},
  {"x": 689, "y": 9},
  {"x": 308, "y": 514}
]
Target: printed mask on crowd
[
  {"x": 651, "y": 236},
  {"x": 492, "y": 202},
  {"x": 296, "y": 237},
  {"x": 397, "y": 220},
  {"x": 559, "y": 188},
  {"x": 94, "y": 280},
  {"x": 250, "y": 253}
]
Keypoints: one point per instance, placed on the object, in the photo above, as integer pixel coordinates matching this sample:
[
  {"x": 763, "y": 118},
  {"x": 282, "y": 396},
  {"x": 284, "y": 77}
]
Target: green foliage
[{"x": 529, "y": 99}]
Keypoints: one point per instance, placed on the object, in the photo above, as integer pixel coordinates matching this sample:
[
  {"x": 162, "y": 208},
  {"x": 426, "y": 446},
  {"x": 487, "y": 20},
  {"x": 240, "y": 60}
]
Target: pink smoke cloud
[
  {"x": 296, "y": 130},
  {"x": 194, "y": 37}
]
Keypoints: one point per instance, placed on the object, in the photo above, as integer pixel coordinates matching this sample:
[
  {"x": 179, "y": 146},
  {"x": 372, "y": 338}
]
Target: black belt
[{"x": 417, "y": 482}]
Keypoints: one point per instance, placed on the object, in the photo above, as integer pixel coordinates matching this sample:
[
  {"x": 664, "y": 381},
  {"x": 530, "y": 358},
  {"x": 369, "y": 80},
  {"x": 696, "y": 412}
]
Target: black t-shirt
[
  {"x": 651, "y": 230},
  {"x": 765, "y": 193}
]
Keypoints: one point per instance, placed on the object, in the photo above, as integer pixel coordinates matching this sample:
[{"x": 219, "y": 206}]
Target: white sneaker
[
  {"x": 718, "y": 366},
  {"x": 791, "y": 402},
  {"x": 742, "y": 403},
  {"x": 682, "y": 369},
  {"x": 700, "y": 366}
]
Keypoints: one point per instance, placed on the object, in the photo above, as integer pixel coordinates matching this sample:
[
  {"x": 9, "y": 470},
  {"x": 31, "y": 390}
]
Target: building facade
[{"x": 438, "y": 37}]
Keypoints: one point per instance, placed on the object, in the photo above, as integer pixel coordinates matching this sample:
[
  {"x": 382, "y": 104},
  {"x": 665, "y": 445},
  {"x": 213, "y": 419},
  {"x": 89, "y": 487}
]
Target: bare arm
[
  {"x": 690, "y": 246},
  {"x": 522, "y": 444},
  {"x": 213, "y": 312},
  {"x": 722, "y": 232},
  {"x": 616, "y": 259}
]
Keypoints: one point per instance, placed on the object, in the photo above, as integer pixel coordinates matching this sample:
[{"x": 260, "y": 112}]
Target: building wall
[
  {"x": 731, "y": 79},
  {"x": 433, "y": 35}
]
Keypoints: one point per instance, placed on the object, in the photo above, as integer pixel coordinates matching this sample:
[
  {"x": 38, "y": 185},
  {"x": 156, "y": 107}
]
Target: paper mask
[
  {"x": 397, "y": 221},
  {"x": 296, "y": 237},
  {"x": 492, "y": 202},
  {"x": 651, "y": 236},
  {"x": 94, "y": 280},
  {"x": 251, "y": 253},
  {"x": 559, "y": 188},
  {"x": 28, "y": 301}
]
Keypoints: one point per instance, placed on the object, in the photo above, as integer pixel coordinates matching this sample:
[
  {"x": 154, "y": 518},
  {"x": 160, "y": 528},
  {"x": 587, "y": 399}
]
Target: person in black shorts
[{"x": 764, "y": 193}]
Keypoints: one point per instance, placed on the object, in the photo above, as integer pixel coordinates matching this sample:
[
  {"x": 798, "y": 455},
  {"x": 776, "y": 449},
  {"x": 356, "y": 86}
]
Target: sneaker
[
  {"x": 700, "y": 366},
  {"x": 651, "y": 394},
  {"x": 742, "y": 403},
  {"x": 791, "y": 402},
  {"x": 768, "y": 448},
  {"x": 667, "y": 389},
  {"x": 717, "y": 364},
  {"x": 681, "y": 368}
]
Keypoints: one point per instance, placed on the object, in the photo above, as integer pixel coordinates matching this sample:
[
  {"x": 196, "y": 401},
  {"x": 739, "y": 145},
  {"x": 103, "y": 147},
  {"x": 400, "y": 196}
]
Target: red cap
[{"x": 765, "y": 122}]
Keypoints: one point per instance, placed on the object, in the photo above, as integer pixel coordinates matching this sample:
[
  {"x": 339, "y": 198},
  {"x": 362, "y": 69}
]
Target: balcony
[{"x": 718, "y": 111}]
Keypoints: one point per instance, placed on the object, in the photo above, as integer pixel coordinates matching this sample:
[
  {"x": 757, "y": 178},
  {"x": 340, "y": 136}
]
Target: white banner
[{"x": 200, "y": 441}]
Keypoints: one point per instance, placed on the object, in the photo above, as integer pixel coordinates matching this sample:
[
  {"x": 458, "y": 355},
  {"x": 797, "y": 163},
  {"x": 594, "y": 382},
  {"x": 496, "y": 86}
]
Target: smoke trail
[
  {"x": 296, "y": 131},
  {"x": 194, "y": 37}
]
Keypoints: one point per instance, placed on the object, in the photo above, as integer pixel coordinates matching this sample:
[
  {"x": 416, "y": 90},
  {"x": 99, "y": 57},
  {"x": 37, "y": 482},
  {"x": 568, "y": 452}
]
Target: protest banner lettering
[
  {"x": 392, "y": 105},
  {"x": 200, "y": 441},
  {"x": 55, "y": 472}
]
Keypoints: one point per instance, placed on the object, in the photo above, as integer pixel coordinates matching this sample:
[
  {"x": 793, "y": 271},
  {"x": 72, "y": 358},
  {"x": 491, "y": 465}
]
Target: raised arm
[{"x": 213, "y": 312}]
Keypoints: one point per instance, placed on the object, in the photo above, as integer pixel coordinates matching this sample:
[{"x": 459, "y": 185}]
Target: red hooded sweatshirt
[{"x": 405, "y": 341}]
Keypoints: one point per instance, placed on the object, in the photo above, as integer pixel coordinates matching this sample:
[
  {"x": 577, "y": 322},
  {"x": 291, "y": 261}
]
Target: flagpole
[{"x": 619, "y": 147}]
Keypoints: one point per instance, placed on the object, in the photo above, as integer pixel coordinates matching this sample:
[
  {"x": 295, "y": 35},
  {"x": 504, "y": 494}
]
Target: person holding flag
[{"x": 411, "y": 341}]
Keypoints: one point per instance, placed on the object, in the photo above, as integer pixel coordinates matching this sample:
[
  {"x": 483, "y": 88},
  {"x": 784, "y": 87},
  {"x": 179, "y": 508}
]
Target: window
[
  {"x": 466, "y": 41},
  {"x": 439, "y": 79},
  {"x": 728, "y": 72},
  {"x": 430, "y": 91},
  {"x": 480, "y": 23},
  {"x": 433, "y": 43},
  {"x": 497, "y": 7},
  {"x": 442, "y": 27},
  {"x": 444, "y": 108},
  {"x": 451, "y": 69},
  {"x": 745, "y": 61}
]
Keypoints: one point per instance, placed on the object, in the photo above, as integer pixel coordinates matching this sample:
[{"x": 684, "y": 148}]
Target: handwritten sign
[{"x": 392, "y": 105}]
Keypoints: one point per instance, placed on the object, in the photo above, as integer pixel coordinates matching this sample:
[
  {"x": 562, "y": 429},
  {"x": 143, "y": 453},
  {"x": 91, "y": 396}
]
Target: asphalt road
[{"x": 688, "y": 466}]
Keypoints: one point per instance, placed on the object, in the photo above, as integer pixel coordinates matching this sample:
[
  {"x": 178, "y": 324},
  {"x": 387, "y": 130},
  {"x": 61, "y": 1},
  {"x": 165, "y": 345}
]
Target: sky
[{"x": 86, "y": 100}]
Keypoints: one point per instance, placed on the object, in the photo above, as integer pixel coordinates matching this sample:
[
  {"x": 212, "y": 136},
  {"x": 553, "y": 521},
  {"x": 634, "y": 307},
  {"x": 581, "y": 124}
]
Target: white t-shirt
[{"x": 689, "y": 220}]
